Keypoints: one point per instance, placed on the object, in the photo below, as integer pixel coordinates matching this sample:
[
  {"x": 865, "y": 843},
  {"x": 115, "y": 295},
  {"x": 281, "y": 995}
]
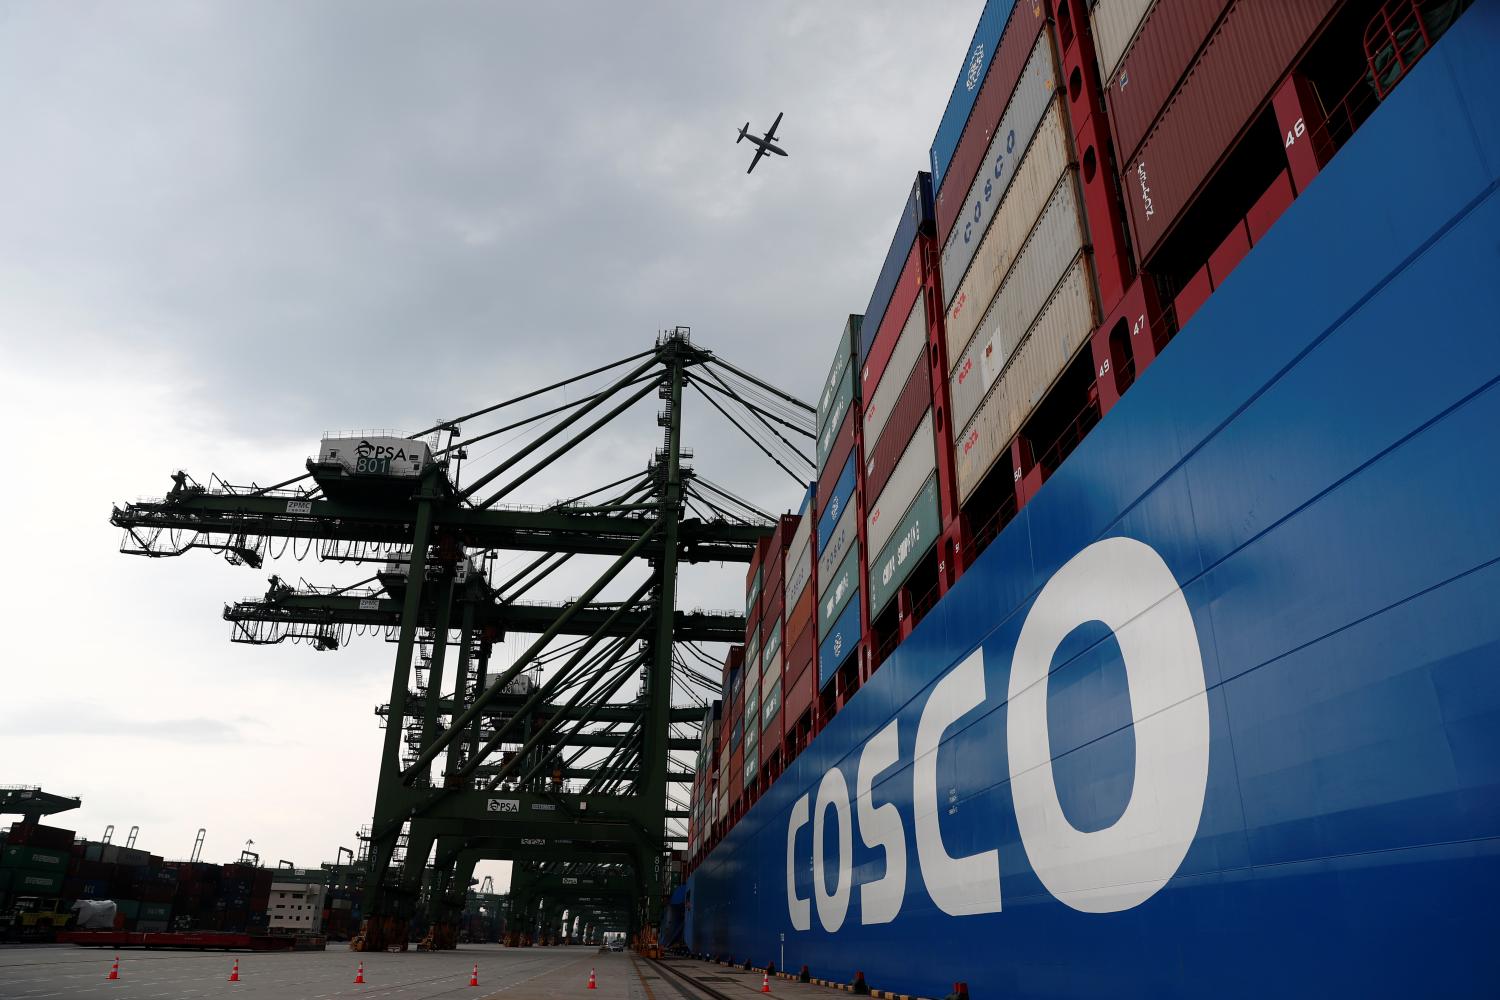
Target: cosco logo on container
[
  {"x": 998, "y": 170},
  {"x": 976, "y": 68},
  {"x": 1118, "y": 581}
]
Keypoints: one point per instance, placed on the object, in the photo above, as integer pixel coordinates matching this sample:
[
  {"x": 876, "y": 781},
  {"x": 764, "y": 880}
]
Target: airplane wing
[
  {"x": 771, "y": 132},
  {"x": 760, "y": 150}
]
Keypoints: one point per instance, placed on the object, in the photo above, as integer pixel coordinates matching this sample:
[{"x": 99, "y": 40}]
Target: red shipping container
[
  {"x": 1026, "y": 22},
  {"x": 737, "y": 775},
  {"x": 896, "y": 314},
  {"x": 770, "y": 739},
  {"x": 1192, "y": 296},
  {"x": 798, "y": 618},
  {"x": 1229, "y": 254},
  {"x": 775, "y": 607},
  {"x": 772, "y": 571},
  {"x": 1165, "y": 45},
  {"x": 799, "y": 685},
  {"x": 1269, "y": 206},
  {"x": 1251, "y": 49},
  {"x": 838, "y": 457},
  {"x": 915, "y": 400}
]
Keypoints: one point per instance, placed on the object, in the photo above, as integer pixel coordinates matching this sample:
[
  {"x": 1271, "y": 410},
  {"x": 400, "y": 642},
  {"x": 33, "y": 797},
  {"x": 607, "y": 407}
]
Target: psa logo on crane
[
  {"x": 1120, "y": 582},
  {"x": 503, "y": 805}
]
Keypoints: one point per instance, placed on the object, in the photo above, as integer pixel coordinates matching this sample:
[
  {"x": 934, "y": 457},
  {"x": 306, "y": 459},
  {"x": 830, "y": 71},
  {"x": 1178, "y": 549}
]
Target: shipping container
[
  {"x": 906, "y": 351},
  {"x": 770, "y": 657},
  {"x": 799, "y": 616},
  {"x": 800, "y": 686},
  {"x": 915, "y": 216},
  {"x": 914, "y": 404},
  {"x": 842, "y": 538},
  {"x": 1251, "y": 49},
  {"x": 837, "y": 458},
  {"x": 966, "y": 88},
  {"x": 37, "y": 834},
  {"x": 843, "y": 356},
  {"x": 1036, "y": 178},
  {"x": 842, "y": 583},
  {"x": 912, "y": 469},
  {"x": 839, "y": 497},
  {"x": 1050, "y": 246},
  {"x": 799, "y": 558},
  {"x": 37, "y": 858},
  {"x": 840, "y": 642},
  {"x": 29, "y": 882},
  {"x": 1169, "y": 39},
  {"x": 1027, "y": 22},
  {"x": 842, "y": 399},
  {"x": 1021, "y": 119},
  {"x": 913, "y": 538},
  {"x": 1030, "y": 369},
  {"x": 906, "y": 301},
  {"x": 1114, "y": 23}
]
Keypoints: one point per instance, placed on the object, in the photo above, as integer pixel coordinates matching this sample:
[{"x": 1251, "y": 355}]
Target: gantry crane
[{"x": 497, "y": 765}]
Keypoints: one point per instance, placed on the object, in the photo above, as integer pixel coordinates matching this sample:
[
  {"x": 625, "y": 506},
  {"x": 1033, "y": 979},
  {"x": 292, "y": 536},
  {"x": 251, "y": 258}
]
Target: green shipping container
[
  {"x": 36, "y": 858},
  {"x": 156, "y": 911},
  {"x": 129, "y": 908},
  {"x": 24, "y": 882}
]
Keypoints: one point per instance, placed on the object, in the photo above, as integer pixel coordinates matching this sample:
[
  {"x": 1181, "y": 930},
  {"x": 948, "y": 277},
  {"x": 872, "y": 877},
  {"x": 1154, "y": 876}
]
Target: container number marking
[{"x": 1297, "y": 131}]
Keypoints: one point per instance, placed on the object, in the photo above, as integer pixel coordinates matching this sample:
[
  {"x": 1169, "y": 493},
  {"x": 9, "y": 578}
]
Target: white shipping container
[
  {"x": 1019, "y": 123},
  {"x": 845, "y": 533},
  {"x": 1114, "y": 24},
  {"x": 912, "y": 469},
  {"x": 1063, "y": 327},
  {"x": 1050, "y": 247},
  {"x": 798, "y": 567},
  {"x": 803, "y": 533},
  {"x": 1036, "y": 178},
  {"x": 882, "y": 396}
]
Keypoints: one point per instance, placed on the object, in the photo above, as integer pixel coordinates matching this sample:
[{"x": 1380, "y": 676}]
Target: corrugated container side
[
  {"x": 912, "y": 539},
  {"x": 916, "y": 214},
  {"x": 840, "y": 405},
  {"x": 844, "y": 536},
  {"x": 840, "y": 497},
  {"x": 1253, "y": 46},
  {"x": 841, "y": 641},
  {"x": 1114, "y": 23},
  {"x": 1169, "y": 38},
  {"x": 1016, "y": 44},
  {"x": 799, "y": 564},
  {"x": 798, "y": 617},
  {"x": 1036, "y": 179},
  {"x": 971, "y": 75},
  {"x": 1063, "y": 328},
  {"x": 906, "y": 307},
  {"x": 837, "y": 458},
  {"x": 906, "y": 351},
  {"x": 912, "y": 470},
  {"x": 1023, "y": 115},
  {"x": 842, "y": 583},
  {"x": 843, "y": 354},
  {"x": 801, "y": 678},
  {"x": 914, "y": 404},
  {"x": 1050, "y": 246},
  {"x": 800, "y": 537}
]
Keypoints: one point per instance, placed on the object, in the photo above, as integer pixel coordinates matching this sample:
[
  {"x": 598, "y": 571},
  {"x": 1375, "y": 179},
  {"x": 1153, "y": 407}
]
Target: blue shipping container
[
  {"x": 840, "y": 642},
  {"x": 966, "y": 88},
  {"x": 834, "y": 506}
]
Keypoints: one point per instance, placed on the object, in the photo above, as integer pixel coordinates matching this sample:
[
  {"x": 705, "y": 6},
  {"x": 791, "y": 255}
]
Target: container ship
[{"x": 1139, "y": 633}]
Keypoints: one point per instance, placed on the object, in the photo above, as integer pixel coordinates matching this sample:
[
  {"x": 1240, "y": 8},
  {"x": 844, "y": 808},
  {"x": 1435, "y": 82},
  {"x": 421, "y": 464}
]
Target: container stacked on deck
[
  {"x": 898, "y": 445},
  {"x": 751, "y": 679},
  {"x": 838, "y": 502},
  {"x": 799, "y": 633},
  {"x": 772, "y": 649}
]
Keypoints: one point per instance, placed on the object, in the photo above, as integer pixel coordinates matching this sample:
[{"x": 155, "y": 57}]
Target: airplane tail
[{"x": 742, "y": 133}]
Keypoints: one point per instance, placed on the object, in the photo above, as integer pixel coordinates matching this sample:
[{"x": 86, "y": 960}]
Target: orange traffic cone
[
  {"x": 593, "y": 984},
  {"x": 474, "y": 976},
  {"x": 765, "y": 982},
  {"x": 234, "y": 975},
  {"x": 359, "y": 976},
  {"x": 114, "y": 970}
]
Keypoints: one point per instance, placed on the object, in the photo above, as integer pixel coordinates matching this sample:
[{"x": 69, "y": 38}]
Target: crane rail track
[{"x": 678, "y": 974}]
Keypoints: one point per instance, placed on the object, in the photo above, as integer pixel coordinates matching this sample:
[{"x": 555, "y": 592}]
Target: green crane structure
[{"x": 552, "y": 762}]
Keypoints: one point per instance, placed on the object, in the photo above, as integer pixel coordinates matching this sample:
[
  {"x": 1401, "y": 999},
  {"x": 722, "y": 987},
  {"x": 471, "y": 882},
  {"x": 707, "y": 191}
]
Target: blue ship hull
[{"x": 1219, "y": 712}]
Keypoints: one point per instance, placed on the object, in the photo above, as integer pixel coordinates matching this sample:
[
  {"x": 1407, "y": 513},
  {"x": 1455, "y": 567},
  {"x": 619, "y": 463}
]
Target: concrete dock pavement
[
  {"x": 736, "y": 983},
  {"x": 63, "y": 972}
]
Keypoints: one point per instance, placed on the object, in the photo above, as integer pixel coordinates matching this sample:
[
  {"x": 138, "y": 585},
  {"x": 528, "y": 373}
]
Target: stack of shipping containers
[
  {"x": 799, "y": 636},
  {"x": 750, "y": 697},
  {"x": 1101, "y": 167},
  {"x": 837, "y": 499},
  {"x": 772, "y": 630}
]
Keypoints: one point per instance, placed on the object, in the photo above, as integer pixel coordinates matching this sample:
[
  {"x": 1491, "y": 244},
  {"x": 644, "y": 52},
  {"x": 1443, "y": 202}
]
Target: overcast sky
[{"x": 226, "y": 228}]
